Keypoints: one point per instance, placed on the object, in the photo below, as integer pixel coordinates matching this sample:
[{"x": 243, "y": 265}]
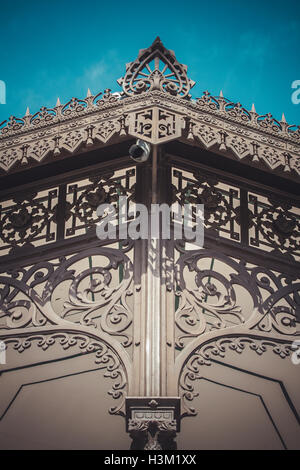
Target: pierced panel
[
  {"x": 28, "y": 220},
  {"x": 84, "y": 196},
  {"x": 274, "y": 225},
  {"x": 31, "y": 220},
  {"x": 92, "y": 288},
  {"x": 221, "y": 201},
  {"x": 215, "y": 292}
]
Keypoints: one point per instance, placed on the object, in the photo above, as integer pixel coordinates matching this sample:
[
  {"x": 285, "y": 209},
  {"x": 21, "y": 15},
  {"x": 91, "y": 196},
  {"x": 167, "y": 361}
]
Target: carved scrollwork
[
  {"x": 208, "y": 101},
  {"x": 20, "y": 305},
  {"x": 155, "y": 125},
  {"x": 219, "y": 206},
  {"x": 92, "y": 299},
  {"x": 105, "y": 357},
  {"x": 84, "y": 199},
  {"x": 211, "y": 298},
  {"x": 73, "y": 105},
  {"x": 45, "y": 115},
  {"x": 281, "y": 309},
  {"x": 153, "y": 424},
  {"x": 27, "y": 220},
  {"x": 171, "y": 77},
  {"x": 275, "y": 225},
  {"x": 238, "y": 111},
  {"x": 267, "y": 121},
  {"x": 107, "y": 98},
  {"x": 12, "y": 124},
  {"x": 207, "y": 352},
  {"x": 155, "y": 78},
  {"x": 109, "y": 310}
]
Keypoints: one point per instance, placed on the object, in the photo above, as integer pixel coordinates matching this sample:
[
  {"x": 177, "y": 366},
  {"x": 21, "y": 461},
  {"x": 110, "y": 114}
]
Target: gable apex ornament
[{"x": 156, "y": 68}]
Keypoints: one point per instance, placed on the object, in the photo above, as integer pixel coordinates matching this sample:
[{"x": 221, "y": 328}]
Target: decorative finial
[
  {"x": 58, "y": 102},
  {"x": 156, "y": 68},
  {"x": 88, "y": 93},
  {"x": 156, "y": 40},
  {"x": 27, "y": 111},
  {"x": 221, "y": 94},
  {"x": 283, "y": 118},
  {"x": 253, "y": 110}
]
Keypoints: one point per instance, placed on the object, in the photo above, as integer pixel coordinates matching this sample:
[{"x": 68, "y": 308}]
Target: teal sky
[{"x": 60, "y": 48}]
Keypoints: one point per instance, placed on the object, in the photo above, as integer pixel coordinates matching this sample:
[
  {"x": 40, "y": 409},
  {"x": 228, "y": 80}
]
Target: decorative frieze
[{"x": 155, "y": 105}]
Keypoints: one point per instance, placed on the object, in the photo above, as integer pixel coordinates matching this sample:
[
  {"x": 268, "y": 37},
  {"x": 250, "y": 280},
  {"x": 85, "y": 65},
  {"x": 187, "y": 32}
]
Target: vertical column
[
  {"x": 153, "y": 358},
  {"x": 154, "y": 295},
  {"x": 152, "y": 415},
  {"x": 152, "y": 409},
  {"x": 148, "y": 291}
]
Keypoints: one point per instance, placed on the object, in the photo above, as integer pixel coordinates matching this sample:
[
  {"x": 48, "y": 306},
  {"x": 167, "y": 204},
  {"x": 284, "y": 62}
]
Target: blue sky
[{"x": 60, "y": 48}]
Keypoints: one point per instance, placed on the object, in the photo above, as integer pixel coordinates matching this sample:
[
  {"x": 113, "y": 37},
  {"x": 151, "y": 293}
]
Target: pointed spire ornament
[
  {"x": 253, "y": 115},
  {"x": 27, "y": 119},
  {"x": 284, "y": 124},
  {"x": 221, "y": 101},
  {"x": 58, "y": 103},
  {"x": 156, "y": 40},
  {"x": 88, "y": 93}
]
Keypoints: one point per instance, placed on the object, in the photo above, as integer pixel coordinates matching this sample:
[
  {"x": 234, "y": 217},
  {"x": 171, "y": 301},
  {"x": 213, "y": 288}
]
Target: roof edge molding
[{"x": 156, "y": 107}]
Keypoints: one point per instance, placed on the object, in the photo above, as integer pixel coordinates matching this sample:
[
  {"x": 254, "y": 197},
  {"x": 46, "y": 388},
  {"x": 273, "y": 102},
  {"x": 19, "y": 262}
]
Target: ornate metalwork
[
  {"x": 153, "y": 423},
  {"x": 155, "y": 125},
  {"x": 221, "y": 202},
  {"x": 74, "y": 301},
  {"x": 28, "y": 220},
  {"x": 156, "y": 68},
  {"x": 212, "y": 291},
  {"x": 153, "y": 106},
  {"x": 93, "y": 298},
  {"x": 160, "y": 307},
  {"x": 274, "y": 224},
  {"x": 83, "y": 198},
  {"x": 202, "y": 357},
  {"x": 36, "y": 217},
  {"x": 257, "y": 220},
  {"x": 105, "y": 356}
]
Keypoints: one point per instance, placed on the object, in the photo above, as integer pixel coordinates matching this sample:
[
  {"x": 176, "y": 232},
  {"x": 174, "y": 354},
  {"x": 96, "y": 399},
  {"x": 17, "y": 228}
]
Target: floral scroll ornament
[
  {"x": 26, "y": 220},
  {"x": 211, "y": 301}
]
